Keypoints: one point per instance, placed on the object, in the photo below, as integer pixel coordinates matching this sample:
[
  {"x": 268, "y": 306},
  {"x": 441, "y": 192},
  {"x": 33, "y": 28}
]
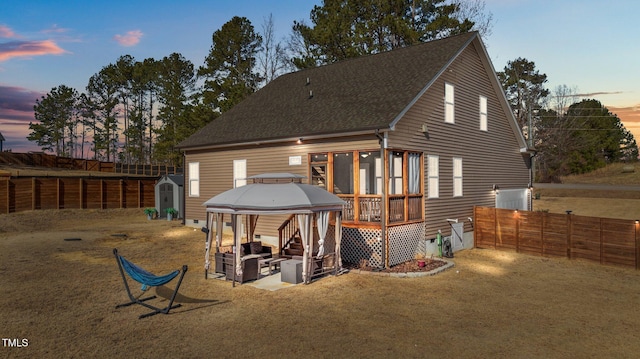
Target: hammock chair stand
[{"x": 147, "y": 279}]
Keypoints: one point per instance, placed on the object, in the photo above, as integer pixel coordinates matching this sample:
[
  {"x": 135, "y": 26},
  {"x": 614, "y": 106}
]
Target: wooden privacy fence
[
  {"x": 80, "y": 164},
  {"x": 32, "y": 193},
  {"x": 603, "y": 240}
]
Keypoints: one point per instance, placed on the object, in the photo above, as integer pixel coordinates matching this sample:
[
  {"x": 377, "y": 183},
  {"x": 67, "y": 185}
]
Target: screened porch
[{"x": 356, "y": 177}]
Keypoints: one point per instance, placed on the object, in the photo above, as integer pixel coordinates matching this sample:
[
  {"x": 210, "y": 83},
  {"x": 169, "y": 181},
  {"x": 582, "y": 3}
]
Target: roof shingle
[{"x": 359, "y": 94}]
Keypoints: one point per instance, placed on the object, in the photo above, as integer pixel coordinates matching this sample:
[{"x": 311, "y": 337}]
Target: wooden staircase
[
  {"x": 294, "y": 247},
  {"x": 290, "y": 242}
]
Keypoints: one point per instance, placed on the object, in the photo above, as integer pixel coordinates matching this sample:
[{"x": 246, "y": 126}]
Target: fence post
[
  {"x": 637, "y": 224},
  {"x": 33, "y": 193},
  {"x": 58, "y": 193},
  {"x": 601, "y": 243},
  {"x": 517, "y": 215},
  {"x": 80, "y": 193},
  {"x": 569, "y": 234},
  {"x": 121, "y": 193},
  {"x": 495, "y": 228},
  {"x": 542, "y": 220}
]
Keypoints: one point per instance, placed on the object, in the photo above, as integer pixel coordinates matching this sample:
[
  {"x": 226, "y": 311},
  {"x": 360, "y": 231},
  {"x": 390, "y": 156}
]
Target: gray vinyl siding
[
  {"x": 216, "y": 171},
  {"x": 488, "y": 157}
]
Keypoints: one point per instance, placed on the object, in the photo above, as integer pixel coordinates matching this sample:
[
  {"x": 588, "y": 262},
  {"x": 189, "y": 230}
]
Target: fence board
[
  {"x": 4, "y": 194},
  {"x": 554, "y": 234},
  {"x": 604, "y": 240},
  {"x": 69, "y": 192},
  {"x": 585, "y": 238},
  {"x": 46, "y": 193},
  {"x": 530, "y": 232},
  {"x": 112, "y": 193},
  {"x": 484, "y": 227},
  {"x": 506, "y": 235}
]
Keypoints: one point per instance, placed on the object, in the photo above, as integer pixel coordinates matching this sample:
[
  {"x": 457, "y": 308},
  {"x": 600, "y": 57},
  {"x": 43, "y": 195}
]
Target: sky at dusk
[{"x": 592, "y": 46}]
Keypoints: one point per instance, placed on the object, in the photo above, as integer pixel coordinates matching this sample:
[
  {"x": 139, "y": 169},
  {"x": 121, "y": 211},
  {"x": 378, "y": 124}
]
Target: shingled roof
[{"x": 360, "y": 94}]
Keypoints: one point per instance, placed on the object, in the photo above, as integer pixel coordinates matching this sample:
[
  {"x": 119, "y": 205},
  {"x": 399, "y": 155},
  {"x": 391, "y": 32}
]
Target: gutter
[{"x": 283, "y": 140}]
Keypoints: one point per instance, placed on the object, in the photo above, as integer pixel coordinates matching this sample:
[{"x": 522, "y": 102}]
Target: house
[{"x": 411, "y": 139}]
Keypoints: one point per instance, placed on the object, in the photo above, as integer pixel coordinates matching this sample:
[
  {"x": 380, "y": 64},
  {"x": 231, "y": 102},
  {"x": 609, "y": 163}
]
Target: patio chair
[{"x": 147, "y": 279}]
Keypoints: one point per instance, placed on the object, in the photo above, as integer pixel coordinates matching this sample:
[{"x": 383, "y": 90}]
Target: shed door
[{"x": 166, "y": 198}]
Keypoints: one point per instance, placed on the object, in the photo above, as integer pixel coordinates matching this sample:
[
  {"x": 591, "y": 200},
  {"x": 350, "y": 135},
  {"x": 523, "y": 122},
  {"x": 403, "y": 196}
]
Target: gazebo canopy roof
[{"x": 274, "y": 193}]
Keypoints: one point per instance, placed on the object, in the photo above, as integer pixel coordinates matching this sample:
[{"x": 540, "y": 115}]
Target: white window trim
[
  {"x": 449, "y": 103},
  {"x": 433, "y": 176},
  {"x": 457, "y": 177},
  {"x": 483, "y": 114},
  {"x": 239, "y": 173},
  {"x": 194, "y": 179}
]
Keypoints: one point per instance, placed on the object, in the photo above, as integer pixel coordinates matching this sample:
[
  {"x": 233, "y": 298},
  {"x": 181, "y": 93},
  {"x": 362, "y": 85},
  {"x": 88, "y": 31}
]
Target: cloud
[
  {"x": 55, "y": 30},
  {"x": 131, "y": 38},
  {"x": 16, "y": 111},
  {"x": 593, "y": 94},
  {"x": 6, "y": 32},
  {"x": 13, "y": 49},
  {"x": 630, "y": 118}
]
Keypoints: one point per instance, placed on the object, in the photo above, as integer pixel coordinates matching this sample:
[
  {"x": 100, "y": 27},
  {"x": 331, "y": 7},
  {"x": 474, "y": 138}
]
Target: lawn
[{"x": 61, "y": 296}]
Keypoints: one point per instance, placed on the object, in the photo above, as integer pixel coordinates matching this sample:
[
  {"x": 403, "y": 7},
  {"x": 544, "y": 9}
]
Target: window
[
  {"x": 395, "y": 172},
  {"x": 483, "y": 113},
  {"x": 343, "y": 173},
  {"x": 370, "y": 173},
  {"x": 433, "y": 173},
  {"x": 457, "y": 177},
  {"x": 449, "y": 113},
  {"x": 194, "y": 179},
  {"x": 319, "y": 169},
  {"x": 414, "y": 173},
  {"x": 239, "y": 173}
]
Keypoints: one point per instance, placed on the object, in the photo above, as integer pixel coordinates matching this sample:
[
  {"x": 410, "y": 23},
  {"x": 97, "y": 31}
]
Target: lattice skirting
[
  {"x": 403, "y": 242},
  {"x": 365, "y": 244}
]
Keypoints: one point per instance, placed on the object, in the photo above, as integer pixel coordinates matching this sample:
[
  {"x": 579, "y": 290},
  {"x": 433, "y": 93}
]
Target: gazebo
[{"x": 276, "y": 193}]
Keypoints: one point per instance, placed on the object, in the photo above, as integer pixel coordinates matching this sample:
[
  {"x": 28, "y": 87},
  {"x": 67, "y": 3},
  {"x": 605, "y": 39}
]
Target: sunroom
[{"x": 393, "y": 207}]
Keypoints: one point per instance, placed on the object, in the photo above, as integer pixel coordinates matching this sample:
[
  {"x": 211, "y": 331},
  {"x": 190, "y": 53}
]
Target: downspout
[{"x": 382, "y": 140}]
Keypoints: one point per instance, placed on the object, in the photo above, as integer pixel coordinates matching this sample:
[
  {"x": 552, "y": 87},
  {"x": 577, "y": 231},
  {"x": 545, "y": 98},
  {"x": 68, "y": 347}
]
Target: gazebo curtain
[
  {"x": 323, "y": 225},
  {"x": 304, "y": 223}
]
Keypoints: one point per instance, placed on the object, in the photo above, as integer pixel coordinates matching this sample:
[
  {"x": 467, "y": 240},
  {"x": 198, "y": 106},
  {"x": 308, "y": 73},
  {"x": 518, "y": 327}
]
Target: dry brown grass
[{"x": 60, "y": 295}]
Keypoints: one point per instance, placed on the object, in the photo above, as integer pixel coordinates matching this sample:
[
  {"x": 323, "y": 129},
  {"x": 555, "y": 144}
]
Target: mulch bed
[{"x": 405, "y": 267}]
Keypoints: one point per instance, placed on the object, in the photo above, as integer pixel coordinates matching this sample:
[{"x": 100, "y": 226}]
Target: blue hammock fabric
[
  {"x": 144, "y": 277},
  {"x": 147, "y": 279}
]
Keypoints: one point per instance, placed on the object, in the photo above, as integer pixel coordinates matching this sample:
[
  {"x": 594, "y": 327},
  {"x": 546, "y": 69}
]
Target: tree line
[
  {"x": 570, "y": 135},
  {"x": 138, "y": 111}
]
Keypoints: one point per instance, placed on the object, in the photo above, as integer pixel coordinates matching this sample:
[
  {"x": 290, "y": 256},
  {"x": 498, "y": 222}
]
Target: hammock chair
[{"x": 147, "y": 279}]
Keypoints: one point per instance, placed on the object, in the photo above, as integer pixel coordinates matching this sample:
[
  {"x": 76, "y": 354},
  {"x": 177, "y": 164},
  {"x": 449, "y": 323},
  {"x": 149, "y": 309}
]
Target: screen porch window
[
  {"x": 318, "y": 163},
  {"x": 343, "y": 173},
  {"x": 194, "y": 179},
  {"x": 395, "y": 172},
  {"x": 483, "y": 113},
  {"x": 449, "y": 110},
  {"x": 457, "y": 177},
  {"x": 433, "y": 164}
]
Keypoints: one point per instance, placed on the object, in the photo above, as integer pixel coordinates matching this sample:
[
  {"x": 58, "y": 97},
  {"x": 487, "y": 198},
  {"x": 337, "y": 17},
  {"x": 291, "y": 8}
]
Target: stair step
[
  {"x": 293, "y": 252},
  {"x": 295, "y": 245}
]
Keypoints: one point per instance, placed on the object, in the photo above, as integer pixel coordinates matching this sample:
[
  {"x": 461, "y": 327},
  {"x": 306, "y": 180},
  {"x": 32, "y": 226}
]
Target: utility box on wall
[{"x": 170, "y": 194}]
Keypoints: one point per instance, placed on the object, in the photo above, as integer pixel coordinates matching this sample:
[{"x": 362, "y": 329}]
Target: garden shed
[{"x": 170, "y": 194}]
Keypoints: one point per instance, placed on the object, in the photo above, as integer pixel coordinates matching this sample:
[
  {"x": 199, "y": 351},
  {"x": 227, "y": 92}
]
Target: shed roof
[{"x": 355, "y": 95}]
